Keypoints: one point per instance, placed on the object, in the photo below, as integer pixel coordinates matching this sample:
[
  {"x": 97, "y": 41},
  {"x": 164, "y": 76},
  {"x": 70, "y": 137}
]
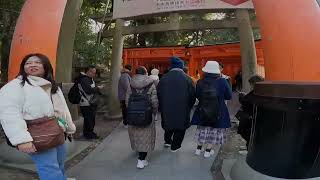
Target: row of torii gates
[{"x": 285, "y": 135}]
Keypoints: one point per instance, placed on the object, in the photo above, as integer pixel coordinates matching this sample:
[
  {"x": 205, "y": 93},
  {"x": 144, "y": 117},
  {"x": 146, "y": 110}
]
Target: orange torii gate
[
  {"x": 285, "y": 134},
  {"x": 195, "y": 57}
]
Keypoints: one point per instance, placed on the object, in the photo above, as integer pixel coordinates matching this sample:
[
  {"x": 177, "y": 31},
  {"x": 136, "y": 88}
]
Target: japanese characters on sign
[{"x": 129, "y": 8}]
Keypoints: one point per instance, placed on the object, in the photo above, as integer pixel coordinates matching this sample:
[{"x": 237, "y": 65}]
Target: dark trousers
[
  {"x": 142, "y": 155},
  {"x": 89, "y": 116},
  {"x": 174, "y": 137},
  {"x": 124, "y": 111}
]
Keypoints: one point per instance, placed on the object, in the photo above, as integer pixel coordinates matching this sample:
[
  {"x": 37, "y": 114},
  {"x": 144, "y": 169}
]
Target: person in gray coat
[
  {"x": 123, "y": 85},
  {"x": 176, "y": 95}
]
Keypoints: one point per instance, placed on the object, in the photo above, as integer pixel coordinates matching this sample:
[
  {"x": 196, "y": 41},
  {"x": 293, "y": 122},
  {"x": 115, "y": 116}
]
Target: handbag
[{"x": 46, "y": 133}]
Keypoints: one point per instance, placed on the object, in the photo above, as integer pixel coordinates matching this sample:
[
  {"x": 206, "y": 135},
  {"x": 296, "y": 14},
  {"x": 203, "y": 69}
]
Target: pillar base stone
[{"x": 242, "y": 171}]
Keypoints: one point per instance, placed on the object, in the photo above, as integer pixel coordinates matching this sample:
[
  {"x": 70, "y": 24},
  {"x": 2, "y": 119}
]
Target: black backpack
[
  {"x": 139, "y": 107},
  {"x": 209, "y": 105},
  {"x": 74, "y": 95}
]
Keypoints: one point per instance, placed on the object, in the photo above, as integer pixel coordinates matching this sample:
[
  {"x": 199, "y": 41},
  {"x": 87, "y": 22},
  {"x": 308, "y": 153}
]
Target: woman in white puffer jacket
[{"x": 28, "y": 98}]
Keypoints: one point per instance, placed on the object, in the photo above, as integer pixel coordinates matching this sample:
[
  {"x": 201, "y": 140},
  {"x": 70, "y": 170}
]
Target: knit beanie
[{"x": 176, "y": 62}]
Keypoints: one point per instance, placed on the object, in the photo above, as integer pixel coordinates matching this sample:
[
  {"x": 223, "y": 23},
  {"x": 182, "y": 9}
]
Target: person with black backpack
[
  {"x": 89, "y": 92},
  {"x": 211, "y": 115},
  {"x": 142, "y": 103}
]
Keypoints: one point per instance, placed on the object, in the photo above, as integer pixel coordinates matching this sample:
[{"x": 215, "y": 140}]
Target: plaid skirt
[{"x": 209, "y": 135}]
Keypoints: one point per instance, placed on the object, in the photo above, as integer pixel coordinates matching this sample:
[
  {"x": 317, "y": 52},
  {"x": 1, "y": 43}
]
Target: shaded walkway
[{"x": 113, "y": 159}]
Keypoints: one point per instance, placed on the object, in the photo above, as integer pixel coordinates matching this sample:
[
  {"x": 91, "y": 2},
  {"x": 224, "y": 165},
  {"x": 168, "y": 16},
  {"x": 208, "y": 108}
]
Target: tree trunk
[
  {"x": 5, "y": 45},
  {"x": 5, "y": 49}
]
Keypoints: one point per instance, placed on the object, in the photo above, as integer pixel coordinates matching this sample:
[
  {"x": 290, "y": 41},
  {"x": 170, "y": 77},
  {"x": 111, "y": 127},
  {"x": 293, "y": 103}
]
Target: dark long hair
[
  {"x": 141, "y": 70},
  {"x": 48, "y": 71}
]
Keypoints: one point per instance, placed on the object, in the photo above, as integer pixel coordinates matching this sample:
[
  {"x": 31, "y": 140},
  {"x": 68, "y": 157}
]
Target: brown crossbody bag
[{"x": 46, "y": 132}]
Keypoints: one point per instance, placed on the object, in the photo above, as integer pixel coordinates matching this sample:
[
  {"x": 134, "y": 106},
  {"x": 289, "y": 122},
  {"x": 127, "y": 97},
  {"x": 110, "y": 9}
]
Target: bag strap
[
  {"x": 50, "y": 95},
  {"x": 147, "y": 88},
  {"x": 81, "y": 91},
  {"x": 51, "y": 99},
  {"x": 133, "y": 90}
]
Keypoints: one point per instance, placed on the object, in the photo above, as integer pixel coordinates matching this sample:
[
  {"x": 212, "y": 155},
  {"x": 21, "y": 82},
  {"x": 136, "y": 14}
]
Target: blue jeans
[{"x": 50, "y": 163}]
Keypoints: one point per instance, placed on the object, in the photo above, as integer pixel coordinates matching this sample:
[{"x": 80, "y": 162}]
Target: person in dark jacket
[
  {"x": 176, "y": 96},
  {"x": 123, "y": 85},
  {"x": 213, "y": 133},
  {"x": 88, "y": 103},
  {"x": 228, "y": 78},
  {"x": 245, "y": 114},
  {"x": 238, "y": 79}
]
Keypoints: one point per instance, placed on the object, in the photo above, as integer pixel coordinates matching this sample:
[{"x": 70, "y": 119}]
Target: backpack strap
[
  {"x": 147, "y": 88},
  {"x": 81, "y": 91},
  {"x": 133, "y": 90}
]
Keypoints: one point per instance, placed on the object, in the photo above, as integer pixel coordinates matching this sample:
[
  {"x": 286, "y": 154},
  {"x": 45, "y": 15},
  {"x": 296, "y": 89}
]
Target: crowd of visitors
[
  {"x": 36, "y": 119},
  {"x": 174, "y": 96}
]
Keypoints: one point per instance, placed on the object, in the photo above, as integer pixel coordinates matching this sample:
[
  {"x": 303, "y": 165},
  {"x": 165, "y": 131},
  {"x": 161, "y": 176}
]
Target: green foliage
[
  {"x": 9, "y": 13},
  {"x": 187, "y": 38},
  {"x": 87, "y": 47}
]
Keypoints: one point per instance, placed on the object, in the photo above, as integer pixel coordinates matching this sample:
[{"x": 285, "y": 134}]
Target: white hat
[{"x": 211, "y": 67}]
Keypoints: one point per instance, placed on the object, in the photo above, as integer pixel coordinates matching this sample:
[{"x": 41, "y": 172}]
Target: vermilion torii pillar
[
  {"x": 285, "y": 132},
  {"x": 47, "y": 27},
  {"x": 291, "y": 39}
]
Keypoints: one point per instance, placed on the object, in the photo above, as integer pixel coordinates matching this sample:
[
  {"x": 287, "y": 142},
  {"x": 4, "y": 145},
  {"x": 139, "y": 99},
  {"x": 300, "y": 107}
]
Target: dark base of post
[{"x": 285, "y": 140}]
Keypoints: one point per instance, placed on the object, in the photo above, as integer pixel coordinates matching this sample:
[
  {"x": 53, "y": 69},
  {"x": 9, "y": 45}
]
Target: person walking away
[
  {"x": 123, "y": 85},
  {"x": 89, "y": 100},
  {"x": 155, "y": 77},
  {"x": 221, "y": 67},
  {"x": 238, "y": 79},
  {"x": 142, "y": 136},
  {"x": 186, "y": 70},
  {"x": 211, "y": 114},
  {"x": 32, "y": 107},
  {"x": 176, "y": 96},
  {"x": 245, "y": 114}
]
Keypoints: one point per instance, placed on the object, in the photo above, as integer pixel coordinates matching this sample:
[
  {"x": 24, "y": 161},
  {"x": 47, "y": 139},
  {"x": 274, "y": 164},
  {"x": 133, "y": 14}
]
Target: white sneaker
[
  {"x": 243, "y": 153},
  {"x": 145, "y": 163},
  {"x": 140, "y": 164},
  {"x": 198, "y": 152},
  {"x": 207, "y": 154},
  {"x": 175, "y": 150},
  {"x": 166, "y": 145}
]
